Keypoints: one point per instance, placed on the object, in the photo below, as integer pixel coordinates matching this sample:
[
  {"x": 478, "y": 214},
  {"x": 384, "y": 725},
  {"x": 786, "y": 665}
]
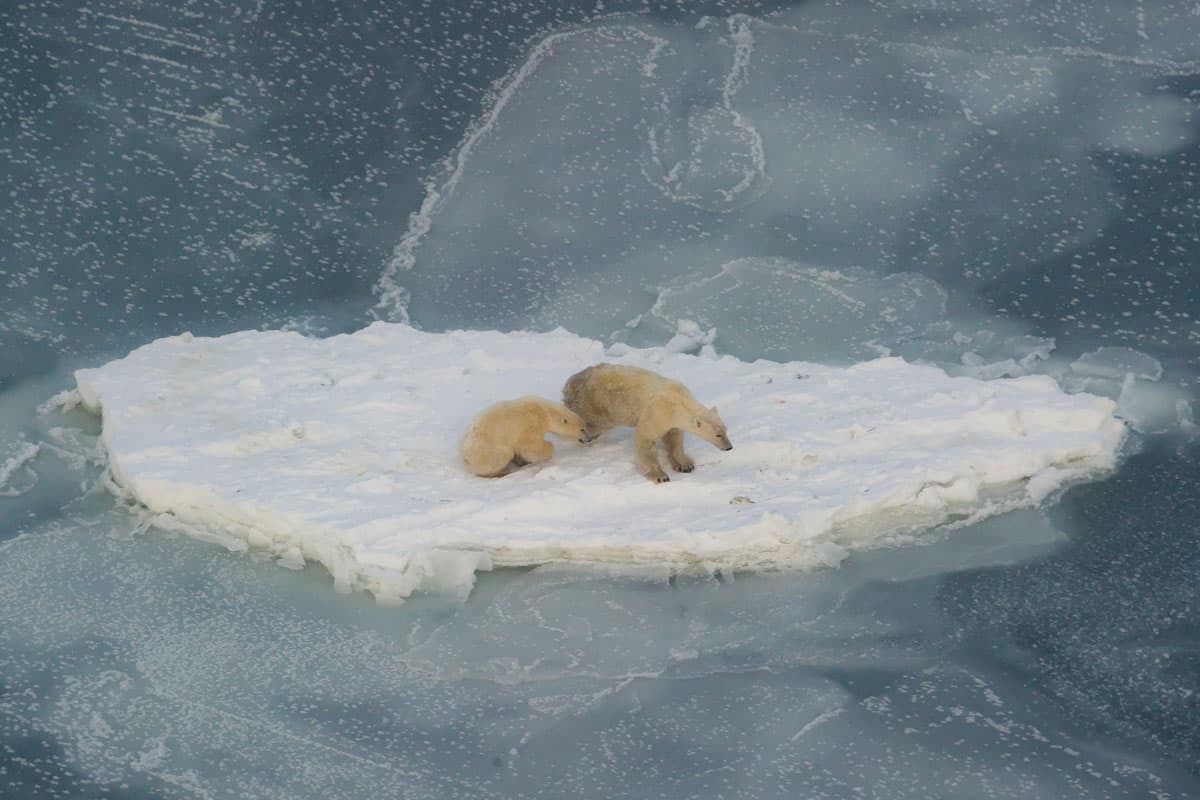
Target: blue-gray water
[{"x": 966, "y": 184}]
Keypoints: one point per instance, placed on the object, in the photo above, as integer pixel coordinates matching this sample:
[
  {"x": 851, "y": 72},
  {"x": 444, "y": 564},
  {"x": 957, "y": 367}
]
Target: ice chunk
[
  {"x": 691, "y": 338},
  {"x": 14, "y": 466},
  {"x": 1131, "y": 377},
  {"x": 351, "y": 458},
  {"x": 1115, "y": 363},
  {"x": 1153, "y": 407},
  {"x": 1009, "y": 357}
]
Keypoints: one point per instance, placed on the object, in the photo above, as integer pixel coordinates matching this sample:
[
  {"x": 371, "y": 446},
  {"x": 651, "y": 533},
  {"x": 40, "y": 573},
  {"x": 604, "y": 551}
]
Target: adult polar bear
[{"x": 657, "y": 408}]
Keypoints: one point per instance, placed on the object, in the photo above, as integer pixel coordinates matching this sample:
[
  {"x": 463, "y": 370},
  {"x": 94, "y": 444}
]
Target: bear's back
[{"x": 616, "y": 394}]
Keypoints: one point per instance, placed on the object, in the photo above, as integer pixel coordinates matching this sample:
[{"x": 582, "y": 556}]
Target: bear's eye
[
  {"x": 565, "y": 421},
  {"x": 697, "y": 423}
]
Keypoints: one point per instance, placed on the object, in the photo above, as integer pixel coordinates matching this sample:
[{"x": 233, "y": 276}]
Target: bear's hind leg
[{"x": 673, "y": 439}]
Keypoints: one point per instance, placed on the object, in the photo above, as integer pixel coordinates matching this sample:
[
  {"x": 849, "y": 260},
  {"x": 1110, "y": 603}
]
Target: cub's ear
[{"x": 714, "y": 409}]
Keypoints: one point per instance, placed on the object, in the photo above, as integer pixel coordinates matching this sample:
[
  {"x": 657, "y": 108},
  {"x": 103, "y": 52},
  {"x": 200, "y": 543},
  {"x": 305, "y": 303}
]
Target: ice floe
[{"x": 343, "y": 451}]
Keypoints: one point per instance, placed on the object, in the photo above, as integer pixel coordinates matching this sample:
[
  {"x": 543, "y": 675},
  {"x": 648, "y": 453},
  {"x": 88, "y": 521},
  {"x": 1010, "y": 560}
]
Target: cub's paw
[{"x": 658, "y": 477}]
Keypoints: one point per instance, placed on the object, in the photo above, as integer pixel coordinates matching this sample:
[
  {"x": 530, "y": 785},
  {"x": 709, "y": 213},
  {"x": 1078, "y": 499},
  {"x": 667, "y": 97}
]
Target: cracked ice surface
[
  {"x": 893, "y": 139},
  {"x": 344, "y": 451}
]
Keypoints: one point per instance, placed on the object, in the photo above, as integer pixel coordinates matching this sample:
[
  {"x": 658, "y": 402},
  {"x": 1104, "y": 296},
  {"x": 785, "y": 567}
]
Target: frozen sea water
[{"x": 998, "y": 188}]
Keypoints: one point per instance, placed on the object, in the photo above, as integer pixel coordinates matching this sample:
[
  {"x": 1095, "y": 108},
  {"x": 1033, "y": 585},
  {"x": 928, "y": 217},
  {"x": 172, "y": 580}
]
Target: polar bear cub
[
  {"x": 509, "y": 435},
  {"x": 611, "y": 395}
]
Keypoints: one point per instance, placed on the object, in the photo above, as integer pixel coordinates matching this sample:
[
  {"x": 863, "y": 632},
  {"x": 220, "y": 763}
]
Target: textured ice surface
[{"x": 344, "y": 451}]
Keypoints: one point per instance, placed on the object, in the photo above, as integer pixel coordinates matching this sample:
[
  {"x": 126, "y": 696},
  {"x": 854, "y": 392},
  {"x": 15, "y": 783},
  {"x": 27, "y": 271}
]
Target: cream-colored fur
[
  {"x": 657, "y": 408},
  {"x": 509, "y": 435}
]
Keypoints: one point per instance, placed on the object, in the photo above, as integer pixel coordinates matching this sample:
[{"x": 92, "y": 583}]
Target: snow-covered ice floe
[{"x": 344, "y": 451}]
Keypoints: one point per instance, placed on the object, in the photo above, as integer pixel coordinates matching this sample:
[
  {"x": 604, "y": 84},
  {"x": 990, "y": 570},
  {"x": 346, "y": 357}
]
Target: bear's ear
[{"x": 714, "y": 409}]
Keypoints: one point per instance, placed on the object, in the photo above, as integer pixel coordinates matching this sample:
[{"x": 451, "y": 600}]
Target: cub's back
[{"x": 508, "y": 418}]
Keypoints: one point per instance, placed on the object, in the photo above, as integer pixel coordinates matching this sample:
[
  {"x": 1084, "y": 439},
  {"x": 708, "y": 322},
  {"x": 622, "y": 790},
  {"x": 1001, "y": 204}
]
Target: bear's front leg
[
  {"x": 679, "y": 459},
  {"x": 646, "y": 447},
  {"x": 535, "y": 450}
]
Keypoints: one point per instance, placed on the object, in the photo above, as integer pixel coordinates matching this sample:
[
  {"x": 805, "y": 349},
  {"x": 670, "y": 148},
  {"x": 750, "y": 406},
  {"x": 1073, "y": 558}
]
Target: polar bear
[
  {"x": 608, "y": 395},
  {"x": 509, "y": 435}
]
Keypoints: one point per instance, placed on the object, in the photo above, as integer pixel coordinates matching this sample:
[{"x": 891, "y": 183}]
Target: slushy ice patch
[{"x": 344, "y": 451}]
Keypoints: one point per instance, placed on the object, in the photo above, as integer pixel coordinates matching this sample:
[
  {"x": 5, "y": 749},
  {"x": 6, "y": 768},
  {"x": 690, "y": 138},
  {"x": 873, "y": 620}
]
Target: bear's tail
[{"x": 573, "y": 389}]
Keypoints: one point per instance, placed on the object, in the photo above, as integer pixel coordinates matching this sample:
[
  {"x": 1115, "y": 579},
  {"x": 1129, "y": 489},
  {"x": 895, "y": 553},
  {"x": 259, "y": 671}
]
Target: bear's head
[
  {"x": 566, "y": 423},
  {"x": 709, "y": 427}
]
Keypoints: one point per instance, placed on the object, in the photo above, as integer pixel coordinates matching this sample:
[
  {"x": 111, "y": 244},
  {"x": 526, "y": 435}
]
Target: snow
[{"x": 343, "y": 451}]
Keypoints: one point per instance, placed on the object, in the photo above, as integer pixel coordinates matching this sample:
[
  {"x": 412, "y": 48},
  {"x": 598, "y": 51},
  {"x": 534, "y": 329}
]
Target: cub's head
[
  {"x": 709, "y": 427},
  {"x": 566, "y": 424}
]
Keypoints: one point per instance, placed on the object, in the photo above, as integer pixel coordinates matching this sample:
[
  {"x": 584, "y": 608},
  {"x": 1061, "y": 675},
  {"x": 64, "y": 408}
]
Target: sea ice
[{"x": 344, "y": 451}]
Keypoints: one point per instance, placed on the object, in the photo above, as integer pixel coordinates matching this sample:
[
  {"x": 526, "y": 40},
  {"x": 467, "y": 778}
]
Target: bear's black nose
[{"x": 727, "y": 447}]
